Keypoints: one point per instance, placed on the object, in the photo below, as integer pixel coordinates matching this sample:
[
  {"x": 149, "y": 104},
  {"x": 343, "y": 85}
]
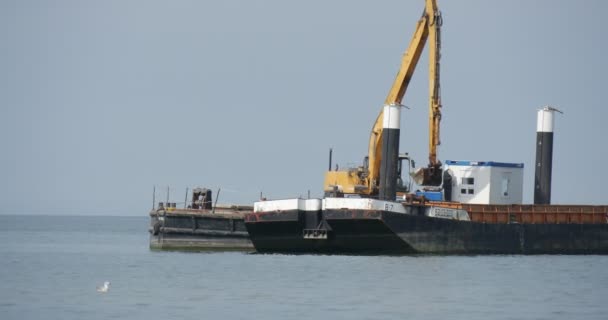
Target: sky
[{"x": 103, "y": 101}]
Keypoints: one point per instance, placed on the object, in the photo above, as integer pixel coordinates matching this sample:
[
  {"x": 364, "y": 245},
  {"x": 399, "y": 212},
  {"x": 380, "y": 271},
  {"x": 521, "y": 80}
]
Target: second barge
[{"x": 199, "y": 227}]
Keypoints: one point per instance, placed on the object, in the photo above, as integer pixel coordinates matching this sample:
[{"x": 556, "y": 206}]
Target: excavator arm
[
  {"x": 427, "y": 29},
  {"x": 365, "y": 179},
  {"x": 432, "y": 174},
  {"x": 401, "y": 83}
]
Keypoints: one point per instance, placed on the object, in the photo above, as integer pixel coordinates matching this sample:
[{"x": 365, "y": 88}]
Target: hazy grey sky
[{"x": 101, "y": 100}]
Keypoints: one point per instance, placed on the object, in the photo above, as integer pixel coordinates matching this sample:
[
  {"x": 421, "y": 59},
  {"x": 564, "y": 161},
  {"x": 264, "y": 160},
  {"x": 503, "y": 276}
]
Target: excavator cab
[
  {"x": 404, "y": 186},
  {"x": 430, "y": 176}
]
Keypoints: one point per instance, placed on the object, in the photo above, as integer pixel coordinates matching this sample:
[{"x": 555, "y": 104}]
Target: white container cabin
[{"x": 486, "y": 182}]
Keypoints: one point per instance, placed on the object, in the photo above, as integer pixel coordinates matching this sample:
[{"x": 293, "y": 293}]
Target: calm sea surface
[{"x": 50, "y": 267}]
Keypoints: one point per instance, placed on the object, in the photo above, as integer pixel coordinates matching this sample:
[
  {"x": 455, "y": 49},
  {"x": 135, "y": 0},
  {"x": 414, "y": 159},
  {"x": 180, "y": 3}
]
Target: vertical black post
[
  {"x": 153, "y": 197},
  {"x": 389, "y": 152},
  {"x": 544, "y": 155},
  {"x": 330, "y": 152}
]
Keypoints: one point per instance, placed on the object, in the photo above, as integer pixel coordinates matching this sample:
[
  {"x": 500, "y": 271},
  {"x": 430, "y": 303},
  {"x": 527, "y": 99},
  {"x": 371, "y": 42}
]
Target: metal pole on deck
[
  {"x": 217, "y": 196},
  {"x": 391, "y": 128},
  {"x": 167, "y": 204},
  {"x": 186, "y": 199},
  {"x": 544, "y": 155},
  {"x": 153, "y": 197}
]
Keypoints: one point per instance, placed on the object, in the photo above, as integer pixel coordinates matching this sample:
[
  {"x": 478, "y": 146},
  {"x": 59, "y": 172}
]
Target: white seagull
[{"x": 104, "y": 288}]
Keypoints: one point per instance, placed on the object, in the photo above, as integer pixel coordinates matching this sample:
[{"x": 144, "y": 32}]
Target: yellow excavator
[{"x": 380, "y": 174}]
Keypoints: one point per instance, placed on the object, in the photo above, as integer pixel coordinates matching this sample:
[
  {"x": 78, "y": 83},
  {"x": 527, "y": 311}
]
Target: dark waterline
[{"x": 51, "y": 265}]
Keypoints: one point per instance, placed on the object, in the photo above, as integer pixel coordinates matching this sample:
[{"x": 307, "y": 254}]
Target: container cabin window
[
  {"x": 468, "y": 181},
  {"x": 467, "y": 191}
]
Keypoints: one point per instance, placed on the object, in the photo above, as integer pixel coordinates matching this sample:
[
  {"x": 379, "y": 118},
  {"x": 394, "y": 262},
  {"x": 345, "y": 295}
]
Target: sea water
[{"x": 50, "y": 267}]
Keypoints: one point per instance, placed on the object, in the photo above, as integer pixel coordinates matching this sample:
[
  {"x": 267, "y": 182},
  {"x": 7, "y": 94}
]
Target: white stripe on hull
[{"x": 287, "y": 204}]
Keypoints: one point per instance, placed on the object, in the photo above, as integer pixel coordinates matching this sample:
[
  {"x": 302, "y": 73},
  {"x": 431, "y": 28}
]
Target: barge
[
  {"x": 477, "y": 210},
  {"x": 200, "y": 226},
  {"x": 370, "y": 226}
]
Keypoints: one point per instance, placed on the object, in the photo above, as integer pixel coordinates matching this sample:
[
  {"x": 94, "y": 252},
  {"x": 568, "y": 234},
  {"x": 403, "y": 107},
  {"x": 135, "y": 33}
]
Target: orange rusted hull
[{"x": 531, "y": 214}]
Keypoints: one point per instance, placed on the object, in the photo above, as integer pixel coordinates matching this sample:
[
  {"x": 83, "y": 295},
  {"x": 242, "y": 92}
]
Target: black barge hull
[{"x": 347, "y": 231}]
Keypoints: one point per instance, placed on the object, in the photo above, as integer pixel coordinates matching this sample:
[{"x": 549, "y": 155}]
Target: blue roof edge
[{"x": 484, "y": 164}]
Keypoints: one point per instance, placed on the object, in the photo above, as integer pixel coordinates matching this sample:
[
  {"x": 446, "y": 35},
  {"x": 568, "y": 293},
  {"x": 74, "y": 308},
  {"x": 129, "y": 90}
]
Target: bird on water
[{"x": 104, "y": 288}]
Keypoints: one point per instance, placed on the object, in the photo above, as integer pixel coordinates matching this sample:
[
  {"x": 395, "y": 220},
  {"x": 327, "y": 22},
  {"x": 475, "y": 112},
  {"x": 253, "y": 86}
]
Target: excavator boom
[
  {"x": 366, "y": 180},
  {"x": 428, "y": 29}
]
